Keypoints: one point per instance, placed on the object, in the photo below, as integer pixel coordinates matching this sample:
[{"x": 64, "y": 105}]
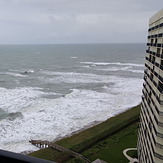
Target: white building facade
[{"x": 150, "y": 138}]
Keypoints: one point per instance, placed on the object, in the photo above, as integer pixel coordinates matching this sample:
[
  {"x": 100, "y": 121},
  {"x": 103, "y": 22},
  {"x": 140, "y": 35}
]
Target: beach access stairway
[{"x": 46, "y": 144}]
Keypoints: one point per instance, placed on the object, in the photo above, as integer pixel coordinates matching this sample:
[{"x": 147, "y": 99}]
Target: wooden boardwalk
[{"x": 47, "y": 144}]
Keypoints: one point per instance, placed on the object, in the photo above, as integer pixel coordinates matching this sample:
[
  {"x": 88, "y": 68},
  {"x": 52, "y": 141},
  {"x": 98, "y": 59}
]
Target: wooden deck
[{"x": 47, "y": 144}]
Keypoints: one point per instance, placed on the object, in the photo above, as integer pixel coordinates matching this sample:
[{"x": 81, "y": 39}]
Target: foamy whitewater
[{"x": 50, "y": 91}]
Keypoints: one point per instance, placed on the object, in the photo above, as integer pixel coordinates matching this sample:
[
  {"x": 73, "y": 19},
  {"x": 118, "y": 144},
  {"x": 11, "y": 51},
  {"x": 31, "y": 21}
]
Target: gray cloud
[{"x": 75, "y": 21}]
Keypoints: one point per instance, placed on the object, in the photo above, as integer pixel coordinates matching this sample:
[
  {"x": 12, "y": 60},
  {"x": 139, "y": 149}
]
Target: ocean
[{"x": 50, "y": 91}]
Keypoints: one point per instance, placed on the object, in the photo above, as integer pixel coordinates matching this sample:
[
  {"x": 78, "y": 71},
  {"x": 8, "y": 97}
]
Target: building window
[
  {"x": 160, "y": 86},
  {"x": 158, "y": 50},
  {"x": 161, "y": 62},
  {"x": 153, "y": 68},
  {"x": 151, "y": 76},
  {"x": 153, "y": 59},
  {"x": 150, "y": 94}
]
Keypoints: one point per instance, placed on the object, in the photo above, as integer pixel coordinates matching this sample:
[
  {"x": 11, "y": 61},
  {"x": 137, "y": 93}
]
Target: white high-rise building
[{"x": 150, "y": 138}]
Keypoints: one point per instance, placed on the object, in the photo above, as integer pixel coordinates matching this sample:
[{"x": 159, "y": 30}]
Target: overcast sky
[{"x": 75, "y": 21}]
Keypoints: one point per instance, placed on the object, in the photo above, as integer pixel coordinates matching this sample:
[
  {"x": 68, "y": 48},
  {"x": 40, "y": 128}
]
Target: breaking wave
[
  {"x": 54, "y": 118},
  {"x": 112, "y": 63}
]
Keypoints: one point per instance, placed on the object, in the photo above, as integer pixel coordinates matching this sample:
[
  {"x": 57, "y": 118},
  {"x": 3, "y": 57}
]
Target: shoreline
[
  {"x": 86, "y": 127},
  {"x": 67, "y": 136},
  {"x": 93, "y": 124},
  {"x": 88, "y": 136}
]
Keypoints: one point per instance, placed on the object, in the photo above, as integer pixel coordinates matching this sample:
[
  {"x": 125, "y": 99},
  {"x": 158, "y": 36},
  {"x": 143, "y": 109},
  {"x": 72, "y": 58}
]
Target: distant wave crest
[{"x": 112, "y": 63}]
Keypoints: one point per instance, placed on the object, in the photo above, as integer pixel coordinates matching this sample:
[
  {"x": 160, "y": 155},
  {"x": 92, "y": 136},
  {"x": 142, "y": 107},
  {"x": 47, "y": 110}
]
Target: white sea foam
[
  {"x": 117, "y": 66},
  {"x": 13, "y": 100},
  {"x": 112, "y": 63},
  {"x": 125, "y": 68},
  {"x": 13, "y": 74},
  {"x": 18, "y": 73},
  {"x": 137, "y": 71},
  {"x": 54, "y": 118},
  {"x": 73, "y": 77}
]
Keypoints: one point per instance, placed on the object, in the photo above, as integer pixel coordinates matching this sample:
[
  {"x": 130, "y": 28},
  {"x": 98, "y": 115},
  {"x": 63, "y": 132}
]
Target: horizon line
[{"x": 71, "y": 43}]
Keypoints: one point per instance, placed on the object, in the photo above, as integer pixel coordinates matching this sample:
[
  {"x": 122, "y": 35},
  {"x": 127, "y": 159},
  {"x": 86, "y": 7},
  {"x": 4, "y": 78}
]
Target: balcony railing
[
  {"x": 159, "y": 156},
  {"x": 155, "y": 27},
  {"x": 155, "y": 44},
  {"x": 155, "y": 84},
  {"x": 161, "y": 67},
  {"x": 18, "y": 158}
]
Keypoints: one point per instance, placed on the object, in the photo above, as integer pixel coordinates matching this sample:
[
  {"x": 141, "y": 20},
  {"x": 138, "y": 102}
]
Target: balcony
[
  {"x": 147, "y": 51},
  {"x": 155, "y": 36},
  {"x": 155, "y": 44},
  {"x": 159, "y": 45},
  {"x": 161, "y": 25},
  {"x": 162, "y": 56},
  {"x": 155, "y": 84},
  {"x": 157, "y": 64},
  {"x": 160, "y": 78},
  {"x": 157, "y": 54},
  {"x": 14, "y": 157},
  {"x": 146, "y": 71},
  {"x": 159, "y": 156},
  {"x": 155, "y": 27},
  {"x": 147, "y": 58},
  {"x": 161, "y": 67},
  {"x": 154, "y": 53}
]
